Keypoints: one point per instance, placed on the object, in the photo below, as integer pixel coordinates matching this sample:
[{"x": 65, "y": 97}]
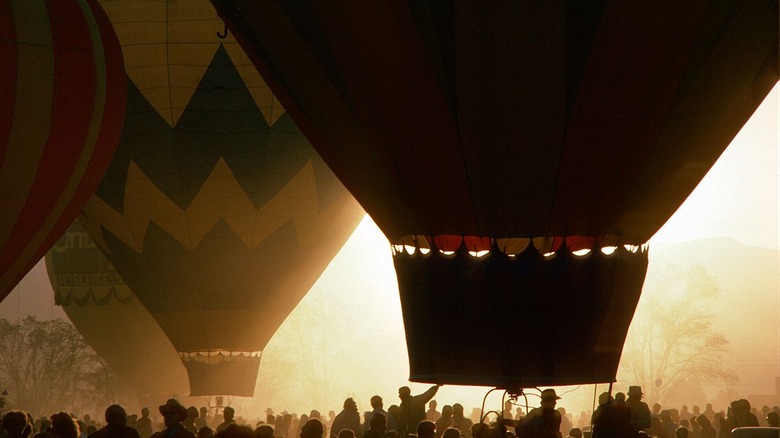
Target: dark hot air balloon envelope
[{"x": 465, "y": 127}]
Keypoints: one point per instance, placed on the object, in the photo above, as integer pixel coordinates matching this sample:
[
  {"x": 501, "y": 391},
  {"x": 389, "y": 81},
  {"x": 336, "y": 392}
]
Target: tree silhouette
[
  {"x": 48, "y": 367},
  {"x": 672, "y": 340}
]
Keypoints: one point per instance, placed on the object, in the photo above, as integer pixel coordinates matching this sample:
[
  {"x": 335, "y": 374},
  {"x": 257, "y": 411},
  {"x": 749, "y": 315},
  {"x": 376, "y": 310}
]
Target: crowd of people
[{"x": 623, "y": 415}]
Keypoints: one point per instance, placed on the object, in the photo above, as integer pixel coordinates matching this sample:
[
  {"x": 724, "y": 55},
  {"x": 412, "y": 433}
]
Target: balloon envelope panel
[{"x": 216, "y": 210}]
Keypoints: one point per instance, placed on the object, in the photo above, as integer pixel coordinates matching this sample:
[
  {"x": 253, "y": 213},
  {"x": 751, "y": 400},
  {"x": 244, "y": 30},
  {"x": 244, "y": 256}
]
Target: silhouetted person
[
  {"x": 173, "y": 414},
  {"x": 605, "y": 417},
  {"x": 264, "y": 431},
  {"x": 312, "y": 429},
  {"x": 743, "y": 417},
  {"x": 189, "y": 422},
  {"x": 144, "y": 424},
  {"x": 432, "y": 414},
  {"x": 444, "y": 421},
  {"x": 116, "y": 425},
  {"x": 377, "y": 426},
  {"x": 377, "y": 405},
  {"x": 565, "y": 422},
  {"x": 451, "y": 432},
  {"x": 348, "y": 418},
  {"x": 640, "y": 412},
  {"x": 681, "y": 432},
  {"x": 206, "y": 432},
  {"x": 460, "y": 422},
  {"x": 705, "y": 427},
  {"x": 709, "y": 413},
  {"x": 425, "y": 429},
  {"x": 17, "y": 424},
  {"x": 63, "y": 426},
  {"x": 773, "y": 419},
  {"x": 412, "y": 408},
  {"x": 201, "y": 421},
  {"x": 227, "y": 417},
  {"x": 237, "y": 431},
  {"x": 670, "y": 427},
  {"x": 544, "y": 421},
  {"x": 575, "y": 433}
]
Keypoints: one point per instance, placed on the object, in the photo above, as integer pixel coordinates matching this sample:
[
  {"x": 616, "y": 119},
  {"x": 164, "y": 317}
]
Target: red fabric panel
[
  {"x": 71, "y": 114},
  {"x": 7, "y": 75},
  {"x": 110, "y": 129}
]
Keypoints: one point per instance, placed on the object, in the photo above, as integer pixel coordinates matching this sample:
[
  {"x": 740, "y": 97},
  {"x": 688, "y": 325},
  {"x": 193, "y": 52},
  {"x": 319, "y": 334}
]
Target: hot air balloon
[
  {"x": 62, "y": 102},
  {"x": 216, "y": 211},
  {"x": 112, "y": 320},
  {"x": 496, "y": 143}
]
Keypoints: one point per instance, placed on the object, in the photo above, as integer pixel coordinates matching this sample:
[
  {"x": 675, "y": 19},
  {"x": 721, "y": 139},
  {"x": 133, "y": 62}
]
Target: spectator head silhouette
[
  {"x": 620, "y": 397},
  {"x": 17, "y": 424},
  {"x": 346, "y": 433},
  {"x": 116, "y": 416},
  {"x": 228, "y": 413},
  {"x": 451, "y": 432},
  {"x": 773, "y": 419},
  {"x": 192, "y": 412},
  {"x": 312, "y": 429},
  {"x": 426, "y": 429},
  {"x": 350, "y": 404},
  {"x": 376, "y": 402},
  {"x": 173, "y": 413},
  {"x": 446, "y": 411},
  {"x": 432, "y": 404},
  {"x": 144, "y": 412},
  {"x": 264, "y": 431},
  {"x": 205, "y": 432},
  {"x": 64, "y": 426},
  {"x": 457, "y": 410},
  {"x": 404, "y": 393},
  {"x": 549, "y": 398},
  {"x": 575, "y": 433},
  {"x": 681, "y": 432}
]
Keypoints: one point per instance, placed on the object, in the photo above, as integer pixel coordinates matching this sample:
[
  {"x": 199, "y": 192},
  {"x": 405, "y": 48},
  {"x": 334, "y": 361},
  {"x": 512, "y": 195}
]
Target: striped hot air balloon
[
  {"x": 62, "y": 103},
  {"x": 216, "y": 211}
]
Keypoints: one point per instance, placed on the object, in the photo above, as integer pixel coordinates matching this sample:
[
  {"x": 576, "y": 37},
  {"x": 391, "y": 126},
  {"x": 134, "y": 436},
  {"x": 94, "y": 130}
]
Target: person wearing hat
[
  {"x": 173, "y": 414},
  {"x": 544, "y": 421},
  {"x": 640, "y": 412}
]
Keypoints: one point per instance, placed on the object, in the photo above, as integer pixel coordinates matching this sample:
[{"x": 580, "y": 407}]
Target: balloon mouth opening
[
  {"x": 218, "y": 355},
  {"x": 481, "y": 247}
]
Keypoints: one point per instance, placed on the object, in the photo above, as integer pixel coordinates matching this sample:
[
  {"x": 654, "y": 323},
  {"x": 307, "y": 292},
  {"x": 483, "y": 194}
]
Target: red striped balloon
[{"x": 62, "y": 104}]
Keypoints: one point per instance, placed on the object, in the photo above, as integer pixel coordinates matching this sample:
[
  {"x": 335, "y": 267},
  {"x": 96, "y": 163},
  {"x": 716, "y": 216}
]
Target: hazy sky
[{"x": 739, "y": 196}]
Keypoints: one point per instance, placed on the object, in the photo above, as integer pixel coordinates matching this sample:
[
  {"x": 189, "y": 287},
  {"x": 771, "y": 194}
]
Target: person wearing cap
[
  {"x": 640, "y": 412},
  {"x": 412, "y": 409},
  {"x": 173, "y": 414},
  {"x": 544, "y": 421}
]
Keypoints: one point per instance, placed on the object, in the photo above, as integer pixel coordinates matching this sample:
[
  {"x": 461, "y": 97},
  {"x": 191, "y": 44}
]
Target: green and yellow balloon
[{"x": 216, "y": 211}]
